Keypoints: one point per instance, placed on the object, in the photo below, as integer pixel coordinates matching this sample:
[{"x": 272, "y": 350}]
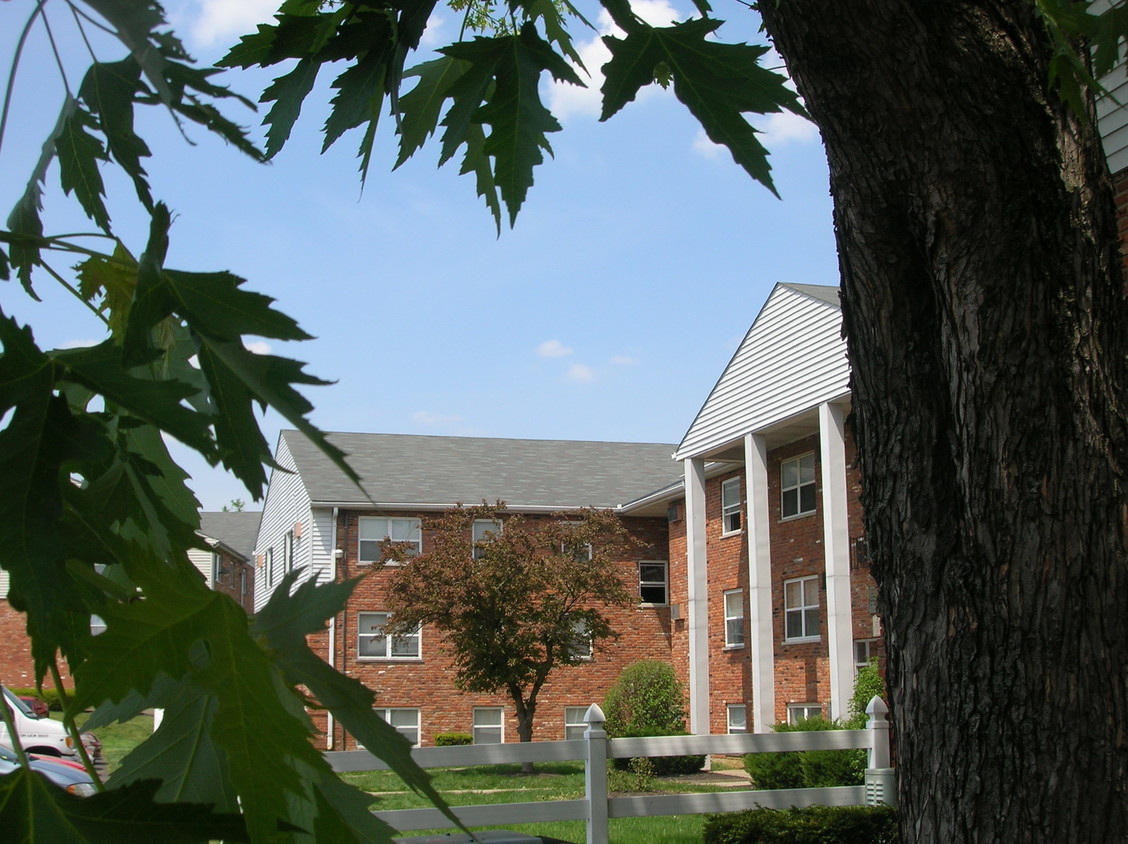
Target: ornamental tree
[{"x": 522, "y": 601}]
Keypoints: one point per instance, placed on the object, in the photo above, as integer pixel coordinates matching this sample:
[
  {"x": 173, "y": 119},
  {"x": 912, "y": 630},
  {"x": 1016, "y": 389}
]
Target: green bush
[
  {"x": 453, "y": 739},
  {"x": 867, "y": 684},
  {"x": 806, "y": 768},
  {"x": 646, "y": 700},
  {"x": 49, "y": 694},
  {"x": 809, "y": 825}
]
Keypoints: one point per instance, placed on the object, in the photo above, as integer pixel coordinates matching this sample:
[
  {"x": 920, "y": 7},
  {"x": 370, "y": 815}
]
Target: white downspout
[{"x": 332, "y": 623}]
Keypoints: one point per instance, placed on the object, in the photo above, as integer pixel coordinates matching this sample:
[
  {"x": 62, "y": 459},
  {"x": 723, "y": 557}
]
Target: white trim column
[
  {"x": 836, "y": 548},
  {"x": 698, "y": 596},
  {"x": 760, "y": 583}
]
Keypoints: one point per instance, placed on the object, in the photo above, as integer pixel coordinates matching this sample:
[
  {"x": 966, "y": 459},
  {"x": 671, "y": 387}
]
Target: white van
[{"x": 37, "y": 735}]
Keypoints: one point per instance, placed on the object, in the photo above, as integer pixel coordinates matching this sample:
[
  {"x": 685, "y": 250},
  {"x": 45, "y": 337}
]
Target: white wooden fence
[{"x": 595, "y": 749}]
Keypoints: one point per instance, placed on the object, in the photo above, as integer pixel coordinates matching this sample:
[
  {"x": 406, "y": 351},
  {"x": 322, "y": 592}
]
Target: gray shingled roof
[
  {"x": 552, "y": 474},
  {"x": 823, "y": 292},
  {"x": 237, "y": 530}
]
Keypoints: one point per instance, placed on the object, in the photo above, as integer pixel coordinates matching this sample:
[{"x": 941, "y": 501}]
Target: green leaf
[
  {"x": 109, "y": 91},
  {"x": 284, "y": 624},
  {"x": 41, "y": 439},
  {"x": 422, "y": 106},
  {"x": 108, "y": 282},
  {"x": 156, "y": 400},
  {"x": 718, "y": 82},
  {"x": 505, "y": 72},
  {"x": 360, "y": 94},
  {"x": 287, "y": 92},
  {"x": 477, "y": 162},
  {"x": 34, "y": 810},
  {"x": 79, "y": 153}
]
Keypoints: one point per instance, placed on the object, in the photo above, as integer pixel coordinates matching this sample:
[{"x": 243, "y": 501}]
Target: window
[
  {"x": 406, "y": 533},
  {"x": 734, "y": 619},
  {"x": 270, "y": 566},
  {"x": 580, "y": 646},
  {"x": 730, "y": 505},
  {"x": 797, "y": 486},
  {"x": 801, "y": 608},
  {"x": 489, "y": 725},
  {"x": 405, "y": 720},
  {"x": 216, "y": 567},
  {"x": 242, "y": 585},
  {"x": 652, "y": 582},
  {"x": 799, "y": 712},
  {"x": 737, "y": 718},
  {"x": 373, "y": 643},
  {"x": 576, "y": 550},
  {"x": 574, "y": 724},
  {"x": 97, "y": 625},
  {"x": 483, "y": 531},
  {"x": 288, "y": 553},
  {"x": 863, "y": 652}
]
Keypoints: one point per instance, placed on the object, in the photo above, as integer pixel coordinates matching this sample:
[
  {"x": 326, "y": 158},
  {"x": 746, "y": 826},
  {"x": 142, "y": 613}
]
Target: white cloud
[
  {"x": 705, "y": 147},
  {"x": 259, "y": 347},
  {"x": 785, "y": 128},
  {"x": 221, "y": 21},
  {"x": 553, "y": 349},
  {"x": 78, "y": 344},
  {"x": 566, "y": 100},
  {"x": 624, "y": 360},
  {"x": 434, "y": 420},
  {"x": 580, "y": 372}
]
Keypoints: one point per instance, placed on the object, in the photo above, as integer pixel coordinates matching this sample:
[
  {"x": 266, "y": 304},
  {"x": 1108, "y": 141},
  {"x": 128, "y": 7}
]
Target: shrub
[
  {"x": 867, "y": 684},
  {"x": 49, "y": 694},
  {"x": 646, "y": 700},
  {"x": 453, "y": 739},
  {"x": 809, "y": 825},
  {"x": 806, "y": 768}
]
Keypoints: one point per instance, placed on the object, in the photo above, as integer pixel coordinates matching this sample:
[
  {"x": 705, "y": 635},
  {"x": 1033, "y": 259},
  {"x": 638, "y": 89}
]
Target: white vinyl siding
[
  {"x": 793, "y": 358},
  {"x": 287, "y": 503}
]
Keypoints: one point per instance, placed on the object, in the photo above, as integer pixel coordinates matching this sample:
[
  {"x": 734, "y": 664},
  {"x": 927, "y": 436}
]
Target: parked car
[
  {"x": 37, "y": 705},
  {"x": 42, "y": 735},
  {"x": 77, "y": 782}
]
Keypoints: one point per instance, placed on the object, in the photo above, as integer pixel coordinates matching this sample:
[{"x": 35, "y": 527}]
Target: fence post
[
  {"x": 595, "y": 775},
  {"x": 881, "y": 781}
]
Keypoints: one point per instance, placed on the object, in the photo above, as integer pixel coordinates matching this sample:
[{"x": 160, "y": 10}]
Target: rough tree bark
[{"x": 984, "y": 309}]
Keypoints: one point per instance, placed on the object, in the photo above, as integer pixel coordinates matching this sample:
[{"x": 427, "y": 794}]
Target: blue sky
[{"x": 637, "y": 264}]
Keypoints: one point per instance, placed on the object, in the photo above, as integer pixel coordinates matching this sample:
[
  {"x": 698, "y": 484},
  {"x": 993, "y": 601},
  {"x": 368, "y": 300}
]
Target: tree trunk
[
  {"x": 984, "y": 309},
  {"x": 525, "y": 711}
]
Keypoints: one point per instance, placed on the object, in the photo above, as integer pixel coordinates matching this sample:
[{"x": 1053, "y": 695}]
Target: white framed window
[
  {"x": 797, "y": 486},
  {"x": 731, "y": 505},
  {"x": 373, "y": 643},
  {"x": 489, "y": 725},
  {"x": 863, "y": 652},
  {"x": 652, "y": 582},
  {"x": 576, "y": 550},
  {"x": 216, "y": 567},
  {"x": 581, "y": 646},
  {"x": 242, "y": 585},
  {"x": 801, "y": 608},
  {"x": 483, "y": 530},
  {"x": 737, "y": 714},
  {"x": 270, "y": 566},
  {"x": 799, "y": 712},
  {"x": 574, "y": 724},
  {"x": 734, "y": 618},
  {"x": 288, "y": 553},
  {"x": 374, "y": 530},
  {"x": 404, "y": 719}
]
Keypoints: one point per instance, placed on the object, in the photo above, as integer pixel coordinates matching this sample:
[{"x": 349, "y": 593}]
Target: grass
[
  {"x": 559, "y": 781},
  {"x": 119, "y": 739}
]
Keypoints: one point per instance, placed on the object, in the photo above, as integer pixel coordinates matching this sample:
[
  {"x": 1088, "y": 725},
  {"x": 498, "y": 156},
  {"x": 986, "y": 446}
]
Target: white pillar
[
  {"x": 698, "y": 596},
  {"x": 760, "y": 583},
  {"x": 836, "y": 550}
]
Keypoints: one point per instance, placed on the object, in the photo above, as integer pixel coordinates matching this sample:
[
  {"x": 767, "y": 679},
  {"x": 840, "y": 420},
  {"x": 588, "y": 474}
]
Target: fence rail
[{"x": 594, "y": 749}]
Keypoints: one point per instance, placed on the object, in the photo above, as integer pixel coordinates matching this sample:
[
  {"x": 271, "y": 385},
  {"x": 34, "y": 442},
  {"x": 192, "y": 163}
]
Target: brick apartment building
[{"x": 318, "y": 523}]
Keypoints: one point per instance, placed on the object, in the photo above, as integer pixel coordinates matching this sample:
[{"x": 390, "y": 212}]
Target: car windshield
[{"x": 16, "y": 703}]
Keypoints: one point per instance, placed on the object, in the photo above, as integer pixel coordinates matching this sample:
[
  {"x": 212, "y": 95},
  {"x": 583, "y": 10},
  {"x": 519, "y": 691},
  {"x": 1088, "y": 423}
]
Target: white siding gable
[
  {"x": 792, "y": 359},
  {"x": 287, "y": 504},
  {"x": 202, "y": 560}
]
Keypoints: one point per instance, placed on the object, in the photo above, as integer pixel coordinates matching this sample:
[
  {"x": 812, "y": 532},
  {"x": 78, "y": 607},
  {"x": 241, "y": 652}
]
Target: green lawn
[
  {"x": 556, "y": 781},
  {"x": 118, "y": 739}
]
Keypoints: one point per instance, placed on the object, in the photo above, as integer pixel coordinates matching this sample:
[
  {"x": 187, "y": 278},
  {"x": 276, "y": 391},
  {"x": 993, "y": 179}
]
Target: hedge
[
  {"x": 809, "y": 825},
  {"x": 453, "y": 739}
]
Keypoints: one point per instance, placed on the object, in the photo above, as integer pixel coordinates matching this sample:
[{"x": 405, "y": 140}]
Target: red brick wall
[{"x": 428, "y": 683}]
